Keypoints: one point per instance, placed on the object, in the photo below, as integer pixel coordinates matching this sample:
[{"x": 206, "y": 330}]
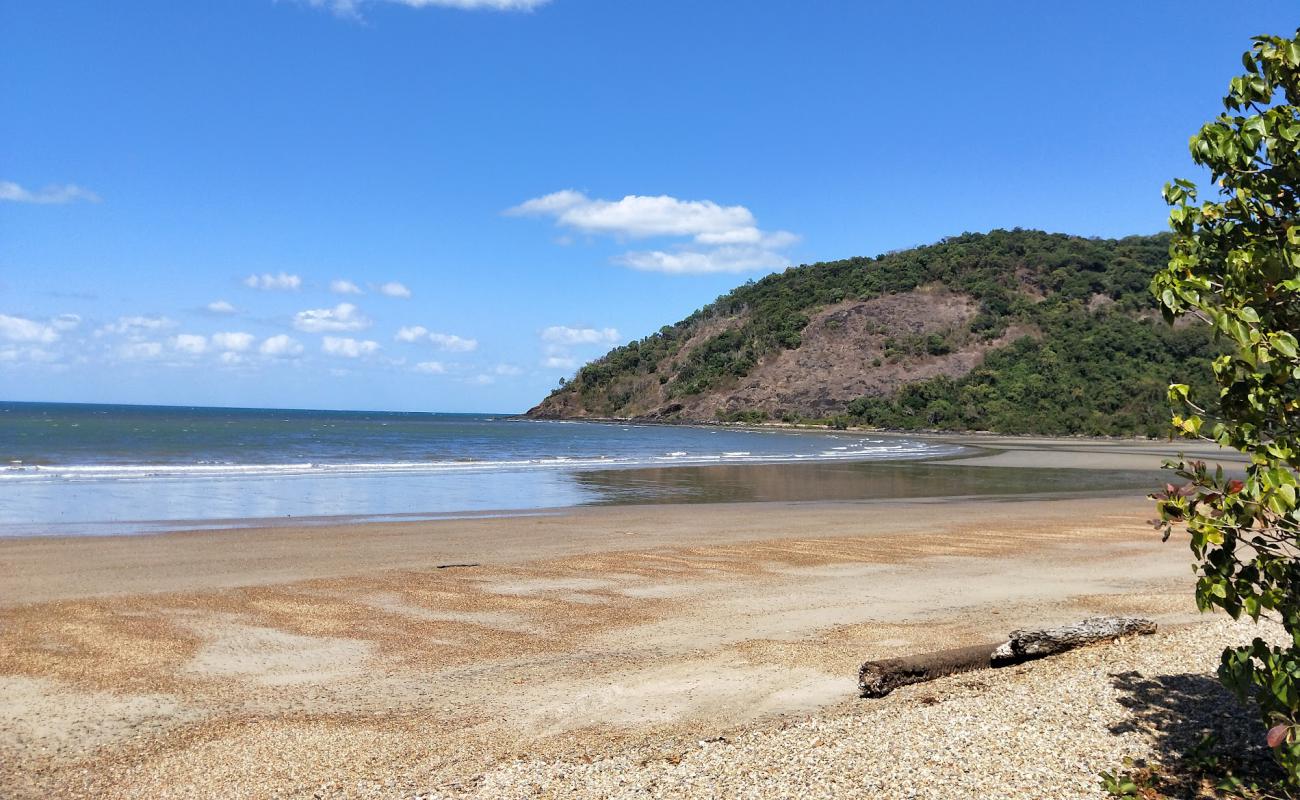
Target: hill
[{"x": 1011, "y": 331}]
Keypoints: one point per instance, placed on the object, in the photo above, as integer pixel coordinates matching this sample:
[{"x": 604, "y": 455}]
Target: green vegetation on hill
[
  {"x": 1097, "y": 360},
  {"x": 1104, "y": 374}
]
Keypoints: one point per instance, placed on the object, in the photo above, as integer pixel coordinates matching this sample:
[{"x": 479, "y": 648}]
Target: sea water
[{"x": 76, "y": 469}]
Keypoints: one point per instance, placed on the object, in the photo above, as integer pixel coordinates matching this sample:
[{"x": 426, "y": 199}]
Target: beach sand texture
[{"x": 342, "y": 661}]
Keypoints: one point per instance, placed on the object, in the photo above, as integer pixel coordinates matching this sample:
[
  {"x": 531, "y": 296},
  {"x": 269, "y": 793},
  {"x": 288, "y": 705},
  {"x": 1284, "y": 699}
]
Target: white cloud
[
  {"x": 50, "y": 195},
  {"x": 453, "y": 343},
  {"x": 32, "y": 354},
  {"x": 411, "y": 333},
  {"x": 731, "y": 258},
  {"x": 352, "y": 8},
  {"x": 230, "y": 357},
  {"x": 268, "y": 282},
  {"x": 140, "y": 351},
  {"x": 507, "y": 369},
  {"x": 21, "y": 329},
  {"x": 443, "y": 341},
  {"x": 472, "y": 5},
  {"x": 348, "y": 348},
  {"x": 66, "y": 322},
  {"x": 280, "y": 346},
  {"x": 482, "y": 380},
  {"x": 559, "y": 339},
  {"x": 344, "y": 287},
  {"x": 562, "y": 334},
  {"x": 136, "y": 327},
  {"x": 221, "y": 307},
  {"x": 232, "y": 341},
  {"x": 190, "y": 343},
  {"x": 722, "y": 238},
  {"x": 395, "y": 289},
  {"x": 342, "y": 317},
  {"x": 430, "y": 367},
  {"x": 641, "y": 216}
]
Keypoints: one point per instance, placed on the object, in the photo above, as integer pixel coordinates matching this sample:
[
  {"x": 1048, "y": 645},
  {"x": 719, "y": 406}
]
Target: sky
[{"x": 449, "y": 205}]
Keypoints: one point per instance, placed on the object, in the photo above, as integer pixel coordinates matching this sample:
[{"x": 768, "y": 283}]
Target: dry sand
[{"x": 588, "y": 654}]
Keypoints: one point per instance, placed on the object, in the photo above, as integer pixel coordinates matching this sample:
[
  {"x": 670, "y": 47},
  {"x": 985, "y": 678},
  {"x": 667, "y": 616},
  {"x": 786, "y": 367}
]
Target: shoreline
[
  {"x": 36, "y": 569},
  {"x": 815, "y": 427},
  {"x": 980, "y": 467}
]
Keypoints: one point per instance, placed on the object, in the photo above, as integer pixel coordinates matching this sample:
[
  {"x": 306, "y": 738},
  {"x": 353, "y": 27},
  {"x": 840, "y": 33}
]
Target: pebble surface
[{"x": 1041, "y": 730}]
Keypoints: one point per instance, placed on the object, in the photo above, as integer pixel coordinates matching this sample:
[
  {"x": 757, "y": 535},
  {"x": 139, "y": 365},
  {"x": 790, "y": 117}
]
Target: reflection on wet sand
[{"x": 846, "y": 481}]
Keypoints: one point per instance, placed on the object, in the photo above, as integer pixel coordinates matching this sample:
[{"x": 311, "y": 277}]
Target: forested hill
[{"x": 1011, "y": 331}]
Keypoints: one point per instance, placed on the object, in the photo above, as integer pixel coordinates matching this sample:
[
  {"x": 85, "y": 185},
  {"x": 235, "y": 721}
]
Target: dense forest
[{"x": 1068, "y": 338}]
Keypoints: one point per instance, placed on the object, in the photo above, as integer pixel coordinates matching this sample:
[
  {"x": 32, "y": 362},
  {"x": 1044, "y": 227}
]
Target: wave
[{"x": 97, "y": 472}]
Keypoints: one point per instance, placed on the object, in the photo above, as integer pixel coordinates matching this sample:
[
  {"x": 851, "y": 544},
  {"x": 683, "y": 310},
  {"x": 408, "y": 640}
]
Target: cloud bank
[
  {"x": 233, "y": 341},
  {"x": 395, "y": 289},
  {"x": 342, "y": 317},
  {"x": 721, "y": 238},
  {"x": 443, "y": 341},
  {"x": 21, "y": 329},
  {"x": 345, "y": 347},
  {"x": 50, "y": 195},
  {"x": 563, "y": 334},
  {"x": 283, "y": 282},
  {"x": 281, "y": 346},
  {"x": 558, "y": 340},
  {"x": 453, "y": 343},
  {"x": 352, "y": 8}
]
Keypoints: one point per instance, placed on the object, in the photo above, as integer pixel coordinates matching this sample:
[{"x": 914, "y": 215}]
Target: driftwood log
[
  {"x": 879, "y": 678},
  {"x": 1031, "y": 644}
]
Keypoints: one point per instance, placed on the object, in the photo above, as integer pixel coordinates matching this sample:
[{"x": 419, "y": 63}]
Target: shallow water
[
  {"x": 114, "y": 507},
  {"x": 73, "y": 442},
  {"x": 74, "y": 469},
  {"x": 111, "y": 470}
]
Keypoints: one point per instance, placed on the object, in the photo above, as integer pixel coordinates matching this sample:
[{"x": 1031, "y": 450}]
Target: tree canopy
[{"x": 1235, "y": 263}]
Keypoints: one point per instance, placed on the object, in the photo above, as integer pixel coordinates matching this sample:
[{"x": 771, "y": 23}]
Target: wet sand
[{"x": 353, "y": 661}]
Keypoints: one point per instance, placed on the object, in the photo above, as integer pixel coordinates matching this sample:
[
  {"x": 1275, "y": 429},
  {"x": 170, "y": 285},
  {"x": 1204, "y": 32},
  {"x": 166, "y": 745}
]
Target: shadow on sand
[{"x": 1177, "y": 712}]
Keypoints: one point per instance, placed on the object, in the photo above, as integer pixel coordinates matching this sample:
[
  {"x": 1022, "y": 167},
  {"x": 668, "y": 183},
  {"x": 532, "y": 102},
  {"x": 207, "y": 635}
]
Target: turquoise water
[{"x": 71, "y": 468}]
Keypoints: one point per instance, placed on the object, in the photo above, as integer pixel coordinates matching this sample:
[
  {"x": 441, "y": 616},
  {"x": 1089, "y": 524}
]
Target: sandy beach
[{"x": 592, "y": 652}]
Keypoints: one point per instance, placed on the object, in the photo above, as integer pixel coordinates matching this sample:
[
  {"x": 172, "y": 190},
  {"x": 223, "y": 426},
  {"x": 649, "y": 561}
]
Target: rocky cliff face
[{"x": 848, "y": 350}]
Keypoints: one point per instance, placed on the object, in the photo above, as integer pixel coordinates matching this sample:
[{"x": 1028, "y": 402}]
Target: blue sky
[{"x": 449, "y": 204}]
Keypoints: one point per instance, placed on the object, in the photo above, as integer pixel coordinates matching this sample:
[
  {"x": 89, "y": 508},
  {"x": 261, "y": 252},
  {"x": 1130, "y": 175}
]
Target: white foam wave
[{"x": 867, "y": 450}]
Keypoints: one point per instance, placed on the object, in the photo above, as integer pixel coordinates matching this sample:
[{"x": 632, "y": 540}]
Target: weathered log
[
  {"x": 879, "y": 678},
  {"x": 1025, "y": 645}
]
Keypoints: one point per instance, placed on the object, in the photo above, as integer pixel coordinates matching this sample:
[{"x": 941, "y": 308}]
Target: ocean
[{"x": 113, "y": 469}]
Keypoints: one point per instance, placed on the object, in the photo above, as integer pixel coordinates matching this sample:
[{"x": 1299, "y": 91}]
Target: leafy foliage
[
  {"x": 1235, "y": 262},
  {"x": 1201, "y": 772},
  {"x": 1093, "y": 375}
]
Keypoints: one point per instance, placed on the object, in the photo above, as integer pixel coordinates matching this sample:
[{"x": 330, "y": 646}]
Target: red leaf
[
  {"x": 1235, "y": 486},
  {"x": 1277, "y": 735}
]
